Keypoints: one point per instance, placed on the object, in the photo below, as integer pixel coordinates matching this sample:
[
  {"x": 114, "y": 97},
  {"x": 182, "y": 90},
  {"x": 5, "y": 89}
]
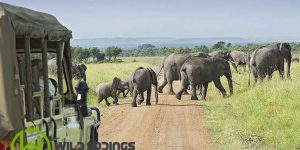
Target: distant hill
[{"x": 128, "y": 43}]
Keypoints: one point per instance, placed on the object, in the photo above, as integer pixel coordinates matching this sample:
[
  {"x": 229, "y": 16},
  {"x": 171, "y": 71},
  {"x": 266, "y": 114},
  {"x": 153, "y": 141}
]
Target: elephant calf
[
  {"x": 141, "y": 80},
  {"x": 106, "y": 90},
  {"x": 295, "y": 59},
  {"x": 240, "y": 58},
  {"x": 124, "y": 88},
  {"x": 200, "y": 71}
]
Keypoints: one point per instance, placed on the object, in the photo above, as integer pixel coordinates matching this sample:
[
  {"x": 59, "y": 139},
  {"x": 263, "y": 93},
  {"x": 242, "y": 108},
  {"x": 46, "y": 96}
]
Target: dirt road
[{"x": 171, "y": 124}]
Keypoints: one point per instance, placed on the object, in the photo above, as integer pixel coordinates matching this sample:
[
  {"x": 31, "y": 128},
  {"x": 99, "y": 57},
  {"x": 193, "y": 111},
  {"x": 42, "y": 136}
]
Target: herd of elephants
[{"x": 195, "y": 71}]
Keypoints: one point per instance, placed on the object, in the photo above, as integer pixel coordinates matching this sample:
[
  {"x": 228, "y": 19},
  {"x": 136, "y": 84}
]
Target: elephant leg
[
  {"x": 219, "y": 86},
  {"x": 270, "y": 74},
  {"x": 183, "y": 88},
  {"x": 194, "y": 95},
  {"x": 127, "y": 92},
  {"x": 134, "y": 95},
  {"x": 171, "y": 91},
  {"x": 148, "y": 102},
  {"x": 204, "y": 90},
  {"x": 254, "y": 73},
  {"x": 200, "y": 88},
  {"x": 244, "y": 66},
  {"x": 118, "y": 93},
  {"x": 185, "y": 92},
  {"x": 281, "y": 70},
  {"x": 106, "y": 101},
  {"x": 235, "y": 67},
  {"x": 141, "y": 98},
  {"x": 261, "y": 76},
  {"x": 124, "y": 95},
  {"x": 161, "y": 87}
]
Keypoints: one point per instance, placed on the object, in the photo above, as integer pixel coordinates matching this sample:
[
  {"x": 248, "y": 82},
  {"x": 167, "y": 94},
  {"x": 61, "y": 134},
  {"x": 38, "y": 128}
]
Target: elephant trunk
[
  {"x": 288, "y": 67},
  {"x": 229, "y": 79}
]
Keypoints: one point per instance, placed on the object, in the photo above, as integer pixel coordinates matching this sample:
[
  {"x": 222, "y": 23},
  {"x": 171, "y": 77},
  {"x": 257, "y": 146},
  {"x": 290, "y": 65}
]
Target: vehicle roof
[{"x": 35, "y": 24}]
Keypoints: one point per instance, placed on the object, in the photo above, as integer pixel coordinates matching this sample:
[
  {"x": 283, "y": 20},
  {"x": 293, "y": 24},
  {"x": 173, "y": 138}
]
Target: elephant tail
[
  {"x": 184, "y": 76},
  {"x": 162, "y": 65},
  {"x": 153, "y": 76},
  {"x": 252, "y": 64}
]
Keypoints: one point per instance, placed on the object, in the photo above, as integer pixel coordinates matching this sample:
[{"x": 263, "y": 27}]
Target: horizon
[{"x": 268, "y": 20}]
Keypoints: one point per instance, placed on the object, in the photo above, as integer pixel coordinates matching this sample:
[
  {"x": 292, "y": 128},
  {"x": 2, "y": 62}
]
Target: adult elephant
[
  {"x": 171, "y": 66},
  {"x": 222, "y": 54},
  {"x": 78, "y": 71},
  {"x": 267, "y": 59},
  {"x": 200, "y": 71},
  {"x": 142, "y": 79},
  {"x": 110, "y": 89},
  {"x": 240, "y": 58}
]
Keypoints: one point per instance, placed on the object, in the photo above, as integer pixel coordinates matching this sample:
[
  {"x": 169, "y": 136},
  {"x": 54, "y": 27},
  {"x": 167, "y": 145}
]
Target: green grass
[
  {"x": 261, "y": 116},
  {"x": 150, "y": 60}
]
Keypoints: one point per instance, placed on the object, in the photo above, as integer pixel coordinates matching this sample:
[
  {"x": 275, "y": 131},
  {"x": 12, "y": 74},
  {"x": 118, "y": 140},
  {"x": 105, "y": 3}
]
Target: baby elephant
[
  {"x": 142, "y": 79},
  {"x": 295, "y": 59},
  {"x": 106, "y": 90},
  {"x": 124, "y": 88}
]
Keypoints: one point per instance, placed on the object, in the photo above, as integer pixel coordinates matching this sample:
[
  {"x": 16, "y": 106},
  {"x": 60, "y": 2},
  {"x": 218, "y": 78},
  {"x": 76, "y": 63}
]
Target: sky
[{"x": 254, "y": 19}]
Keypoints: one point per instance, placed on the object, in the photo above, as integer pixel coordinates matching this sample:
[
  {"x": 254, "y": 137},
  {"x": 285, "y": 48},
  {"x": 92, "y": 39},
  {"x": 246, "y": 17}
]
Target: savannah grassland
[{"x": 260, "y": 116}]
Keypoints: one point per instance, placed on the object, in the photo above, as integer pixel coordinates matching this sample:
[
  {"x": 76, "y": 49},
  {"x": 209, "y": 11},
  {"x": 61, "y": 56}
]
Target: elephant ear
[
  {"x": 153, "y": 76},
  {"x": 115, "y": 83},
  {"x": 285, "y": 49}
]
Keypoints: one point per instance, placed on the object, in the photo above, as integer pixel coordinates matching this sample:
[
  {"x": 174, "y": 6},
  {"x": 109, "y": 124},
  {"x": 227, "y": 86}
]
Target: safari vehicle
[{"x": 27, "y": 35}]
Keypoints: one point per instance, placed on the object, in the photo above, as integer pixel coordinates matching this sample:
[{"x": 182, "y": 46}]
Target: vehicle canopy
[{"x": 18, "y": 25}]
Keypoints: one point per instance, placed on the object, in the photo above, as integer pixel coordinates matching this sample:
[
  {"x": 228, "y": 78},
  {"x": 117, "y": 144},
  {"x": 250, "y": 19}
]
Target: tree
[
  {"x": 201, "y": 48},
  {"x": 100, "y": 56},
  {"x": 219, "y": 46},
  {"x": 94, "y": 52},
  {"x": 147, "y": 50},
  {"x": 228, "y": 45},
  {"x": 113, "y": 51},
  {"x": 84, "y": 55}
]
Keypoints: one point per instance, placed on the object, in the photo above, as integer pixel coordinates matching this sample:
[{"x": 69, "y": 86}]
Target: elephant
[
  {"x": 171, "y": 66},
  {"x": 200, "y": 71},
  {"x": 295, "y": 59},
  {"x": 240, "y": 58},
  {"x": 110, "y": 89},
  {"x": 201, "y": 54},
  {"x": 222, "y": 54},
  {"x": 78, "y": 71},
  {"x": 267, "y": 59},
  {"x": 142, "y": 79},
  {"x": 124, "y": 88}
]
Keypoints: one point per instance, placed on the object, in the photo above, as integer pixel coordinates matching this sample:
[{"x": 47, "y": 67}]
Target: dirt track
[{"x": 171, "y": 124}]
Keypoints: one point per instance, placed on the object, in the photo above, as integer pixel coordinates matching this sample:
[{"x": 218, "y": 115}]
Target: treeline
[
  {"x": 110, "y": 54},
  {"x": 94, "y": 54},
  {"x": 151, "y": 50}
]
